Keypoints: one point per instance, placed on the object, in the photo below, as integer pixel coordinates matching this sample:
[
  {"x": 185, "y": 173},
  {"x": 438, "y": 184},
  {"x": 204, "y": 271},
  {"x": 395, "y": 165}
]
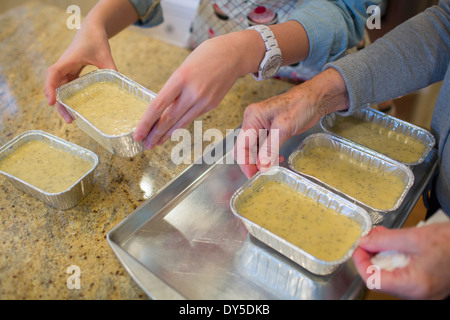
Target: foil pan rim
[
  {"x": 428, "y": 146},
  {"x": 122, "y": 145},
  {"x": 10, "y": 144},
  {"x": 59, "y": 140},
  {"x": 90, "y": 74},
  {"x": 363, "y": 150},
  {"x": 321, "y": 267}
]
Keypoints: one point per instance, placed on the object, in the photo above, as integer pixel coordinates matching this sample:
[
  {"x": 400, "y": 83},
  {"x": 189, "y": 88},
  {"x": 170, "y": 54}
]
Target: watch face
[{"x": 272, "y": 66}]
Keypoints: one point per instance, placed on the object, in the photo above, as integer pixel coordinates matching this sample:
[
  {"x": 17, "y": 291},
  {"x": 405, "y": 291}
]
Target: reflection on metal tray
[{"x": 185, "y": 242}]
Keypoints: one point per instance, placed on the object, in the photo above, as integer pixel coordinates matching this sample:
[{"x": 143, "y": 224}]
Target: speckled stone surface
[{"x": 38, "y": 243}]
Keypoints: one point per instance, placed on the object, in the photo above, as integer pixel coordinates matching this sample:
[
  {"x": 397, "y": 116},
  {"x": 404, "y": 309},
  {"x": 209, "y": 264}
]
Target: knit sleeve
[{"x": 410, "y": 57}]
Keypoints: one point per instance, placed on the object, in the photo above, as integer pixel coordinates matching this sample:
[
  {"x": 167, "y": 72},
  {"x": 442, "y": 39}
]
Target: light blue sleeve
[
  {"x": 332, "y": 27},
  {"x": 149, "y": 11}
]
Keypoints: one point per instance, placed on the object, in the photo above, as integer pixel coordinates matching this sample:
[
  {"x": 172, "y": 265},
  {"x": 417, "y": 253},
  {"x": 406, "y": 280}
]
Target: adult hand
[
  {"x": 284, "y": 116},
  {"x": 87, "y": 48},
  {"x": 427, "y": 275},
  {"x": 197, "y": 86}
]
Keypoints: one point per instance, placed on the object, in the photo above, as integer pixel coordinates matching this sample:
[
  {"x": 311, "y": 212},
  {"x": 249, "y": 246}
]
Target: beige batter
[
  {"x": 45, "y": 167},
  {"x": 376, "y": 137},
  {"x": 300, "y": 220},
  {"x": 369, "y": 185},
  {"x": 110, "y": 108}
]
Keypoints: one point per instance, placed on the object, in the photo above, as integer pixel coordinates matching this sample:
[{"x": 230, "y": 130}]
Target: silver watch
[{"x": 272, "y": 60}]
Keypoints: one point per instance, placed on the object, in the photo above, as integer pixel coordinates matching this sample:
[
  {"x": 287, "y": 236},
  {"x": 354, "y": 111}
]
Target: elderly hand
[
  {"x": 284, "y": 116},
  {"x": 426, "y": 276}
]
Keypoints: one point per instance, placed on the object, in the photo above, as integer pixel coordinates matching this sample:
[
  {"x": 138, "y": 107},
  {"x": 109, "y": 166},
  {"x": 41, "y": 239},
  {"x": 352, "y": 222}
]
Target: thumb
[
  {"x": 108, "y": 64},
  {"x": 105, "y": 61},
  {"x": 268, "y": 152},
  {"x": 382, "y": 239}
]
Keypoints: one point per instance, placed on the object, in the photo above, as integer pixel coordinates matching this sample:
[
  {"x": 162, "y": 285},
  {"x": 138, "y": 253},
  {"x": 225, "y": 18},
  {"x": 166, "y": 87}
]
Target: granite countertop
[{"x": 39, "y": 243}]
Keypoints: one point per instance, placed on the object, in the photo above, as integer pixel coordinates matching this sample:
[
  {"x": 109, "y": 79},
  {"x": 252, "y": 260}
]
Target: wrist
[
  {"x": 331, "y": 92},
  {"x": 272, "y": 60},
  {"x": 111, "y": 16},
  {"x": 243, "y": 50},
  {"x": 92, "y": 27},
  {"x": 251, "y": 49}
]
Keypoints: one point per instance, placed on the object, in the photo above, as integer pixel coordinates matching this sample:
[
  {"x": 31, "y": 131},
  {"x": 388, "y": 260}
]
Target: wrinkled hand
[
  {"x": 87, "y": 48},
  {"x": 284, "y": 116},
  {"x": 427, "y": 276},
  {"x": 197, "y": 86}
]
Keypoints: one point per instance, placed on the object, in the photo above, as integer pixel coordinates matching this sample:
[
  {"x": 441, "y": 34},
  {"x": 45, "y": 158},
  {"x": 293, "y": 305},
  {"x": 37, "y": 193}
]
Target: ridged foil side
[
  {"x": 283, "y": 280},
  {"x": 312, "y": 190},
  {"x": 388, "y": 122},
  {"x": 360, "y": 154},
  {"x": 62, "y": 200},
  {"x": 121, "y": 145}
]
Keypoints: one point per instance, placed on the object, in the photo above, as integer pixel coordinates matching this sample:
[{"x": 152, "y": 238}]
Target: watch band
[{"x": 272, "y": 52}]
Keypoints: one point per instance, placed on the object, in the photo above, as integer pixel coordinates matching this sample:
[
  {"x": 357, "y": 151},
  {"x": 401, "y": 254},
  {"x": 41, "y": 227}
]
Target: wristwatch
[{"x": 272, "y": 60}]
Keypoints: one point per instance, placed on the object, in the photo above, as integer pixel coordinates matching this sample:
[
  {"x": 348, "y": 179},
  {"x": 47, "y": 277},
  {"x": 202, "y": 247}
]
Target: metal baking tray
[
  {"x": 389, "y": 122},
  {"x": 186, "y": 243},
  {"x": 313, "y": 191},
  {"x": 361, "y": 155},
  {"x": 120, "y": 145},
  {"x": 62, "y": 200}
]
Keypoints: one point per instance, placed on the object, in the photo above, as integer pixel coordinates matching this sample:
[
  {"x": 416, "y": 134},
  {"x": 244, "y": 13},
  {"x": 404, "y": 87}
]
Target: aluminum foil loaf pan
[
  {"x": 309, "y": 189},
  {"x": 120, "y": 145},
  {"x": 360, "y": 155},
  {"x": 370, "y": 115},
  {"x": 62, "y": 200}
]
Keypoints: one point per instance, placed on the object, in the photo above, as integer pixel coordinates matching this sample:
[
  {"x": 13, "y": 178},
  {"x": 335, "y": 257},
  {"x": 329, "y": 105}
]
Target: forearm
[
  {"x": 112, "y": 16},
  {"x": 292, "y": 40},
  {"x": 330, "y": 92}
]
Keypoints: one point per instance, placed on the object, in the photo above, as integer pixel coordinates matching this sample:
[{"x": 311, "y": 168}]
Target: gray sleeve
[
  {"x": 149, "y": 11},
  {"x": 410, "y": 57}
]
